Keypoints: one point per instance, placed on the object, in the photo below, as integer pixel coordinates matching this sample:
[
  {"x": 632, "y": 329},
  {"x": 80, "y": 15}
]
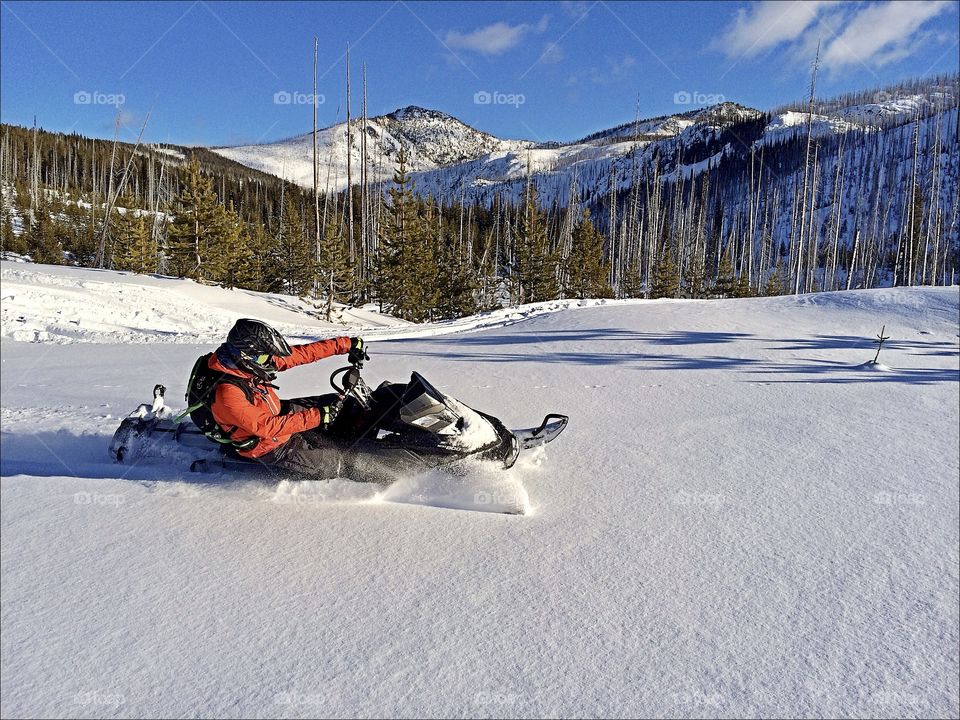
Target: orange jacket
[{"x": 262, "y": 418}]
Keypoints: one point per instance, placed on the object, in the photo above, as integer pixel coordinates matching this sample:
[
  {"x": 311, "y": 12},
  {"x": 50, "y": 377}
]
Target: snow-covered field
[{"x": 741, "y": 519}]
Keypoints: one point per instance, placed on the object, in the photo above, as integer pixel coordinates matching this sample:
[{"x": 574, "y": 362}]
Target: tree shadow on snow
[{"x": 460, "y": 348}]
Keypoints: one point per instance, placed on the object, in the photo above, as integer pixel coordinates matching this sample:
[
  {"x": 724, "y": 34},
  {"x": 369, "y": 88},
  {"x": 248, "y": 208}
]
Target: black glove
[
  {"x": 358, "y": 352},
  {"x": 328, "y": 414}
]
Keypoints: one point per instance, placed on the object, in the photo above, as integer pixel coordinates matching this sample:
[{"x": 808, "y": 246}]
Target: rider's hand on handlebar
[
  {"x": 358, "y": 352},
  {"x": 328, "y": 414}
]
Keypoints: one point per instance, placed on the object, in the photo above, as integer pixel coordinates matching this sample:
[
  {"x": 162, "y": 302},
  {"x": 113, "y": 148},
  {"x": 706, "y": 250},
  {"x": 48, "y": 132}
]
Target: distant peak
[{"x": 414, "y": 111}]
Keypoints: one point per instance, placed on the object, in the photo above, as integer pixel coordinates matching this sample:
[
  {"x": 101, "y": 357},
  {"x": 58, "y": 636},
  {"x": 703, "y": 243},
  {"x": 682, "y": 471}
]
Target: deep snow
[{"x": 741, "y": 519}]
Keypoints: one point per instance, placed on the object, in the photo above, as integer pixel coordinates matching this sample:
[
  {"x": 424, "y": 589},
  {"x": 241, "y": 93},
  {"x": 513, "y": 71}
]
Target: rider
[{"x": 287, "y": 433}]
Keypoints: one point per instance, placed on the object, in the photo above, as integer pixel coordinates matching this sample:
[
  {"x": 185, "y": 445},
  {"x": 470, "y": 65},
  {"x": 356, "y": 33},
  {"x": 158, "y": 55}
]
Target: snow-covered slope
[
  {"x": 741, "y": 520},
  {"x": 62, "y": 304},
  {"x": 431, "y": 138}
]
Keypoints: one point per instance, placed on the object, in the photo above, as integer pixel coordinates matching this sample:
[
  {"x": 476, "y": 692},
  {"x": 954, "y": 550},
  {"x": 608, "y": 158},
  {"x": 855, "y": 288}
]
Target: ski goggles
[{"x": 257, "y": 359}]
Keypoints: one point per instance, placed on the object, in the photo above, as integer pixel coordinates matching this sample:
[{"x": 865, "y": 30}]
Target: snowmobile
[{"x": 382, "y": 434}]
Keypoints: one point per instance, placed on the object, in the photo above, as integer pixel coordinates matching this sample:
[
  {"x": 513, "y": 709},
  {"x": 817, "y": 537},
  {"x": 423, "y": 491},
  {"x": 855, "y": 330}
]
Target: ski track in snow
[{"x": 742, "y": 519}]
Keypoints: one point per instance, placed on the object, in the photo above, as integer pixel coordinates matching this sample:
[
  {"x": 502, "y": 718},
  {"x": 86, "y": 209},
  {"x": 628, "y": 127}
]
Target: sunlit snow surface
[{"x": 742, "y": 518}]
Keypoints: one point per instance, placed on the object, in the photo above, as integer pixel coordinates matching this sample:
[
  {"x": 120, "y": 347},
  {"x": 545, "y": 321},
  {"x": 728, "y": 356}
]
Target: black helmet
[{"x": 255, "y": 344}]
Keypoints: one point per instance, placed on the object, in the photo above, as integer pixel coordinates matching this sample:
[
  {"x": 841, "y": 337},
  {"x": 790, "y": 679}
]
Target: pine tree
[
  {"x": 233, "y": 261},
  {"x": 695, "y": 277},
  {"x": 261, "y": 271},
  {"x": 406, "y": 265},
  {"x": 775, "y": 284},
  {"x": 199, "y": 229},
  {"x": 335, "y": 276},
  {"x": 134, "y": 247},
  {"x": 586, "y": 270},
  {"x": 726, "y": 280},
  {"x": 456, "y": 285},
  {"x": 536, "y": 264},
  {"x": 81, "y": 239},
  {"x": 297, "y": 259},
  {"x": 631, "y": 285},
  {"x": 9, "y": 240},
  {"x": 741, "y": 288},
  {"x": 665, "y": 281},
  {"x": 43, "y": 241}
]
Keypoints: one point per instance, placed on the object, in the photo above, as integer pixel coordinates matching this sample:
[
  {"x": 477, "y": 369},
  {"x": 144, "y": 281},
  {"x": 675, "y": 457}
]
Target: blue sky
[{"x": 218, "y": 73}]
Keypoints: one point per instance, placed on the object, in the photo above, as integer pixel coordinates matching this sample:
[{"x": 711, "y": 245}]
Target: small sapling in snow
[{"x": 879, "y": 341}]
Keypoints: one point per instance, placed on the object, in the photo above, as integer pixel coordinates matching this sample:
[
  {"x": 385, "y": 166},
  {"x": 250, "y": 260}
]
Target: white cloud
[
  {"x": 552, "y": 53},
  {"x": 494, "y": 39},
  {"x": 767, "y": 24},
  {"x": 575, "y": 8},
  {"x": 864, "y": 34},
  {"x": 882, "y": 33}
]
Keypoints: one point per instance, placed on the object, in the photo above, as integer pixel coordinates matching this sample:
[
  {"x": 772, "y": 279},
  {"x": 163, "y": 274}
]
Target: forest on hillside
[{"x": 728, "y": 211}]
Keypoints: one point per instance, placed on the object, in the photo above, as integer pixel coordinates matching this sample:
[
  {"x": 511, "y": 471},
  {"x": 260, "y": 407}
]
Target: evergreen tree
[
  {"x": 81, "y": 238},
  {"x": 134, "y": 247},
  {"x": 741, "y": 288},
  {"x": 695, "y": 277},
  {"x": 586, "y": 275},
  {"x": 631, "y": 286},
  {"x": 456, "y": 284},
  {"x": 9, "y": 240},
  {"x": 726, "y": 280},
  {"x": 665, "y": 280},
  {"x": 536, "y": 264},
  {"x": 43, "y": 241},
  {"x": 232, "y": 264},
  {"x": 407, "y": 267},
  {"x": 774, "y": 284},
  {"x": 260, "y": 271},
  {"x": 296, "y": 256},
  {"x": 335, "y": 276},
  {"x": 200, "y": 227}
]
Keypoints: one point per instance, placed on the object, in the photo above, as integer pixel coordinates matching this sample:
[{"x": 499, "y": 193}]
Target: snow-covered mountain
[
  {"x": 443, "y": 152},
  {"x": 450, "y": 159},
  {"x": 431, "y": 138}
]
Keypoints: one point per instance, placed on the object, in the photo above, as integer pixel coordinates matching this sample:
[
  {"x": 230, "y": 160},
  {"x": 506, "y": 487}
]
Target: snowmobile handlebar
[{"x": 351, "y": 376}]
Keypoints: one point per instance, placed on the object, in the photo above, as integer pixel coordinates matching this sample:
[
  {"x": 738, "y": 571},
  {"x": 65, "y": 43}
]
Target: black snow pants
[{"x": 335, "y": 453}]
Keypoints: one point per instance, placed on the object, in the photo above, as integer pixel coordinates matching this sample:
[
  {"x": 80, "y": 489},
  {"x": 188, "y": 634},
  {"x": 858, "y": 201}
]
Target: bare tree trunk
[
  {"x": 806, "y": 171},
  {"x": 316, "y": 176},
  {"x": 853, "y": 258},
  {"x": 364, "y": 191},
  {"x": 349, "y": 208}
]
